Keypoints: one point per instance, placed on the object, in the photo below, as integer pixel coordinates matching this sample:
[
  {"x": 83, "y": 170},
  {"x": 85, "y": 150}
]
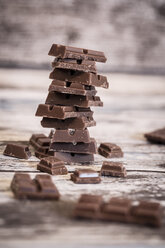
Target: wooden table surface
[{"x": 133, "y": 105}]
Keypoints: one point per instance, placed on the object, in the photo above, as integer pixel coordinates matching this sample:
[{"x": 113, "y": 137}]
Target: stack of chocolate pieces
[{"x": 67, "y": 107}]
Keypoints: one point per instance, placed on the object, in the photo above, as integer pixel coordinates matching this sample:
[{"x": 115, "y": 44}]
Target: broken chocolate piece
[
  {"x": 56, "y": 98},
  {"x": 52, "y": 165},
  {"x": 85, "y": 176},
  {"x": 61, "y": 112},
  {"x": 73, "y": 123},
  {"x": 157, "y": 136},
  {"x": 85, "y": 78},
  {"x": 80, "y": 147},
  {"x": 88, "y": 206},
  {"x": 71, "y": 64},
  {"x": 39, "y": 188},
  {"x": 61, "y": 51},
  {"x": 71, "y": 136},
  {"x": 118, "y": 209},
  {"x": 147, "y": 213},
  {"x": 17, "y": 151},
  {"x": 74, "y": 157},
  {"x": 72, "y": 88},
  {"x": 110, "y": 150},
  {"x": 114, "y": 169}
]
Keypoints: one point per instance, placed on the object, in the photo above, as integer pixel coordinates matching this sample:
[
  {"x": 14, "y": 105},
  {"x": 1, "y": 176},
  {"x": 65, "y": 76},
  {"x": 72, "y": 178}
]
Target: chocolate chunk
[
  {"x": 72, "y": 88},
  {"x": 56, "y": 98},
  {"x": 71, "y": 64},
  {"x": 43, "y": 154},
  {"x": 157, "y": 136},
  {"x": 80, "y": 147},
  {"x": 34, "y": 138},
  {"x": 114, "y": 169},
  {"x": 74, "y": 157},
  {"x": 73, "y": 123},
  {"x": 61, "y": 112},
  {"x": 40, "y": 143},
  {"x": 52, "y": 165},
  {"x": 71, "y": 136},
  {"x": 118, "y": 209},
  {"x": 17, "y": 151},
  {"x": 85, "y": 176},
  {"x": 109, "y": 150},
  {"x": 39, "y": 188},
  {"x": 88, "y": 206},
  {"x": 76, "y": 53},
  {"x": 147, "y": 213},
  {"x": 80, "y": 77}
]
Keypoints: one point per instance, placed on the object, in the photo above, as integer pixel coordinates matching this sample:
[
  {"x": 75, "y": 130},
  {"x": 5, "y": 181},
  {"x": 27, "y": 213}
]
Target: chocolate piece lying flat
[
  {"x": 80, "y": 77},
  {"x": 80, "y": 147},
  {"x": 147, "y": 213},
  {"x": 71, "y": 136},
  {"x": 17, "y": 151},
  {"x": 39, "y": 188},
  {"x": 71, "y": 64},
  {"x": 56, "y": 98},
  {"x": 114, "y": 169},
  {"x": 52, "y": 165},
  {"x": 74, "y": 157},
  {"x": 157, "y": 136},
  {"x": 118, "y": 209},
  {"x": 88, "y": 206},
  {"x": 85, "y": 176},
  {"x": 74, "y": 123},
  {"x": 72, "y": 88},
  {"x": 61, "y": 112},
  {"x": 76, "y": 53},
  {"x": 110, "y": 150}
]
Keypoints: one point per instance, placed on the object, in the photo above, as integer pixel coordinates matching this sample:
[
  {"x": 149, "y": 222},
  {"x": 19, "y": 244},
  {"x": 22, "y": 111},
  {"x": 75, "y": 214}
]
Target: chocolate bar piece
[
  {"x": 72, "y": 64},
  {"x": 39, "y": 188},
  {"x": 80, "y": 77},
  {"x": 109, "y": 150},
  {"x": 157, "y": 136},
  {"x": 118, "y": 209},
  {"x": 147, "y": 213},
  {"x": 73, "y": 123},
  {"x": 88, "y": 206},
  {"x": 76, "y": 53},
  {"x": 114, "y": 169},
  {"x": 43, "y": 154},
  {"x": 62, "y": 112},
  {"x": 17, "y": 151},
  {"x": 74, "y": 157},
  {"x": 71, "y": 136},
  {"x": 56, "y": 98},
  {"x": 72, "y": 88},
  {"x": 80, "y": 147},
  {"x": 40, "y": 142},
  {"x": 85, "y": 176},
  {"x": 52, "y": 165}
]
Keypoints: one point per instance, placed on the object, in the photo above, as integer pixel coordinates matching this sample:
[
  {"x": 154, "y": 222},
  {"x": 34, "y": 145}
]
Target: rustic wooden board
[{"x": 128, "y": 112}]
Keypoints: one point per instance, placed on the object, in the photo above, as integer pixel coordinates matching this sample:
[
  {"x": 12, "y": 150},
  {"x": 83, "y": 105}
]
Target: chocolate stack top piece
[
  {"x": 71, "y": 95},
  {"x": 69, "y": 52}
]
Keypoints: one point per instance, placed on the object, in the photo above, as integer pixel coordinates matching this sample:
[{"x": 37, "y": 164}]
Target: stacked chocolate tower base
[{"x": 67, "y": 107}]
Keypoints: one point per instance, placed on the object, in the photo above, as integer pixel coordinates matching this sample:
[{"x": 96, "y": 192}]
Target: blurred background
[{"x": 131, "y": 33}]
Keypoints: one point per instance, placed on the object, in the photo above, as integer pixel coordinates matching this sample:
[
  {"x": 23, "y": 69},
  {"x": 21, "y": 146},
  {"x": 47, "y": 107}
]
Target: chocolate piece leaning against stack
[{"x": 71, "y": 95}]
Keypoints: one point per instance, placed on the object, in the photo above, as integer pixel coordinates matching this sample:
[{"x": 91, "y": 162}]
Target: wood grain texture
[{"x": 132, "y": 106}]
